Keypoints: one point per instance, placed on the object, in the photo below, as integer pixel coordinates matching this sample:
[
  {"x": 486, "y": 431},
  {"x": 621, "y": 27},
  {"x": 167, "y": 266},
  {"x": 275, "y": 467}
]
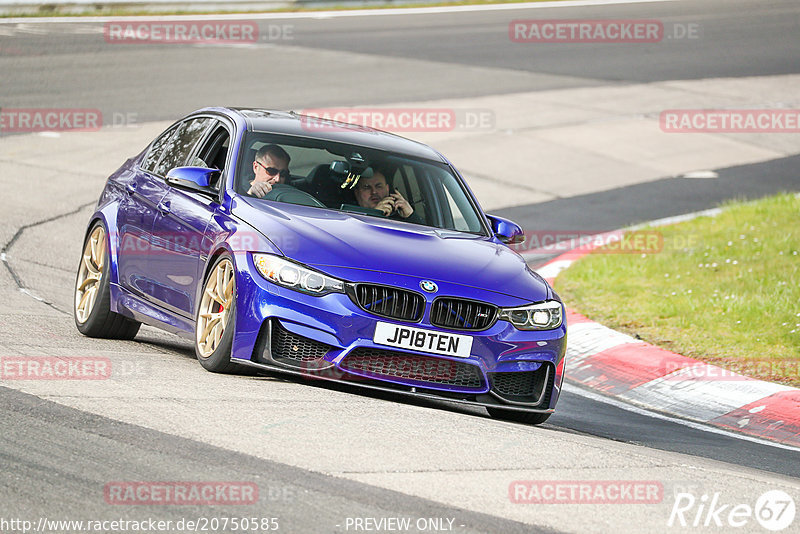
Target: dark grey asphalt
[
  {"x": 600, "y": 419},
  {"x": 404, "y": 58},
  {"x": 576, "y": 413},
  {"x": 733, "y": 38},
  {"x": 634, "y": 204},
  {"x": 55, "y": 462}
]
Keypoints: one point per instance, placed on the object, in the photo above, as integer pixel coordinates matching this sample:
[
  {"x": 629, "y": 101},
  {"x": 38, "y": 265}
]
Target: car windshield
[{"x": 357, "y": 180}]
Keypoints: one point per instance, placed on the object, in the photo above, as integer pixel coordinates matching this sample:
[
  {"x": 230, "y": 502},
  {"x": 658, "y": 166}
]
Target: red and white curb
[{"x": 629, "y": 369}]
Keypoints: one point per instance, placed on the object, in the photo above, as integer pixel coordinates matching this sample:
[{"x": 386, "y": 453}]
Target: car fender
[
  {"x": 232, "y": 236},
  {"x": 107, "y": 216}
]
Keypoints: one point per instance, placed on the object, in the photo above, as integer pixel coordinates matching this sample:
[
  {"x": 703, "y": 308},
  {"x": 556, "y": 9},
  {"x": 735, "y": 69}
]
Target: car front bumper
[{"x": 332, "y": 338}]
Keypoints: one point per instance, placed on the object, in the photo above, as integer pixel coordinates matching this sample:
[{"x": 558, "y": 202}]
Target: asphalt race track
[{"x": 573, "y": 144}]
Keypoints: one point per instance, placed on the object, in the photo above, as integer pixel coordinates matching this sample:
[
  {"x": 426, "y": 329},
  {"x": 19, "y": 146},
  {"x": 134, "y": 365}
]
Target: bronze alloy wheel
[
  {"x": 92, "y": 303},
  {"x": 90, "y": 274},
  {"x": 215, "y": 308}
]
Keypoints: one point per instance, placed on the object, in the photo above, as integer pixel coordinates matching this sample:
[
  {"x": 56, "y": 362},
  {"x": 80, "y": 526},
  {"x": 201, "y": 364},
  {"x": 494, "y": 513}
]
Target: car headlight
[
  {"x": 294, "y": 276},
  {"x": 542, "y": 316}
]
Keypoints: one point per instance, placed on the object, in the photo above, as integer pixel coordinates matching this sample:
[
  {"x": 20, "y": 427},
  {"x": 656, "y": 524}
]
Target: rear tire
[
  {"x": 529, "y": 418},
  {"x": 92, "y": 302},
  {"x": 216, "y": 318}
]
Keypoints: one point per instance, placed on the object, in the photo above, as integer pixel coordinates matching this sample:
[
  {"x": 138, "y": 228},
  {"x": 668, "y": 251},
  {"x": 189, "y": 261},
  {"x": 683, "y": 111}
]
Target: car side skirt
[{"x": 126, "y": 303}]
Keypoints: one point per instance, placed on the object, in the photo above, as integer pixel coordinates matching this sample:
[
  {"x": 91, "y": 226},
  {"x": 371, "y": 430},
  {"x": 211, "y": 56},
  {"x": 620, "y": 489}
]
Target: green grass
[
  {"x": 111, "y": 10},
  {"x": 724, "y": 289}
]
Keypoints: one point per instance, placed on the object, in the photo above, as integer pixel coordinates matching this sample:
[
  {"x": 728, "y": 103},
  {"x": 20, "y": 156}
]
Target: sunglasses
[{"x": 272, "y": 171}]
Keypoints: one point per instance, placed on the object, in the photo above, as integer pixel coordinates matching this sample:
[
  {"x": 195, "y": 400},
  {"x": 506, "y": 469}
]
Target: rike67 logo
[{"x": 773, "y": 510}]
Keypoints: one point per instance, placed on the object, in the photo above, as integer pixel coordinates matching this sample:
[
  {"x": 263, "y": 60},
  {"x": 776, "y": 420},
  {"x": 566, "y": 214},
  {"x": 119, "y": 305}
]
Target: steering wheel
[{"x": 291, "y": 195}]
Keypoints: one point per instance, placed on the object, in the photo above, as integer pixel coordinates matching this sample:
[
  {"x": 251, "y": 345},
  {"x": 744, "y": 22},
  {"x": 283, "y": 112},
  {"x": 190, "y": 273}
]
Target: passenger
[
  {"x": 271, "y": 166},
  {"x": 375, "y": 192}
]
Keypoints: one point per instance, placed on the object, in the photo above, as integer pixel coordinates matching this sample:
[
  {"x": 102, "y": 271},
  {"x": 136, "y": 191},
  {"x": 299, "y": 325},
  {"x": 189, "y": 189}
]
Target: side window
[
  {"x": 156, "y": 149},
  {"x": 177, "y": 151},
  {"x": 213, "y": 154},
  {"x": 463, "y": 214},
  {"x": 459, "y": 223},
  {"x": 405, "y": 181}
]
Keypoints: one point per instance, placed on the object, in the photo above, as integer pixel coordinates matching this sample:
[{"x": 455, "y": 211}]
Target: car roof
[{"x": 291, "y": 123}]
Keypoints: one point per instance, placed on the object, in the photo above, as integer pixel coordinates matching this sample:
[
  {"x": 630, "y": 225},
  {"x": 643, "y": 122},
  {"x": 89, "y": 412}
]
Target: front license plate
[{"x": 422, "y": 340}]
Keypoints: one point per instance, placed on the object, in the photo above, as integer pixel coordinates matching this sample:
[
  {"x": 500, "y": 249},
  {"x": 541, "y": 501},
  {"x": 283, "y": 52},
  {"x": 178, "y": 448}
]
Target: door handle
[
  {"x": 130, "y": 187},
  {"x": 164, "y": 207}
]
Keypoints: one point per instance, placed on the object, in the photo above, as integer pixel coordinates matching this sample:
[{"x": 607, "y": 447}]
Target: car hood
[{"x": 337, "y": 242}]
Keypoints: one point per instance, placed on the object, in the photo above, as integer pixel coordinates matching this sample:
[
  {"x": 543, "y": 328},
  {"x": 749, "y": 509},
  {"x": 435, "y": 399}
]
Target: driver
[
  {"x": 374, "y": 192},
  {"x": 271, "y": 166}
]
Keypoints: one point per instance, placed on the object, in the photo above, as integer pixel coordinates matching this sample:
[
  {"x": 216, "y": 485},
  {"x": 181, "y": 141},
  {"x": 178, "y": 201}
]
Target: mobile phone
[{"x": 391, "y": 192}]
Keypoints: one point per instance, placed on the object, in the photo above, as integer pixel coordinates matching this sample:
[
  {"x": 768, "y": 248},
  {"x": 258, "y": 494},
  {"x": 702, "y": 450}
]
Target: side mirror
[
  {"x": 195, "y": 179},
  {"x": 506, "y": 231}
]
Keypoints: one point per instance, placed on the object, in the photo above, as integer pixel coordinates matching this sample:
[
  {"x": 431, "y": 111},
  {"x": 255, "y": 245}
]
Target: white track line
[{"x": 334, "y": 14}]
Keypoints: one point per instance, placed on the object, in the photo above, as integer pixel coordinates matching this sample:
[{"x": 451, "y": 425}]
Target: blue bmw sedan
[{"x": 326, "y": 250}]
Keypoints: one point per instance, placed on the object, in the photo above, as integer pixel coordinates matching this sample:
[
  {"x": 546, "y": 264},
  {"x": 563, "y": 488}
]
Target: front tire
[
  {"x": 216, "y": 314},
  {"x": 92, "y": 303},
  {"x": 529, "y": 418}
]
